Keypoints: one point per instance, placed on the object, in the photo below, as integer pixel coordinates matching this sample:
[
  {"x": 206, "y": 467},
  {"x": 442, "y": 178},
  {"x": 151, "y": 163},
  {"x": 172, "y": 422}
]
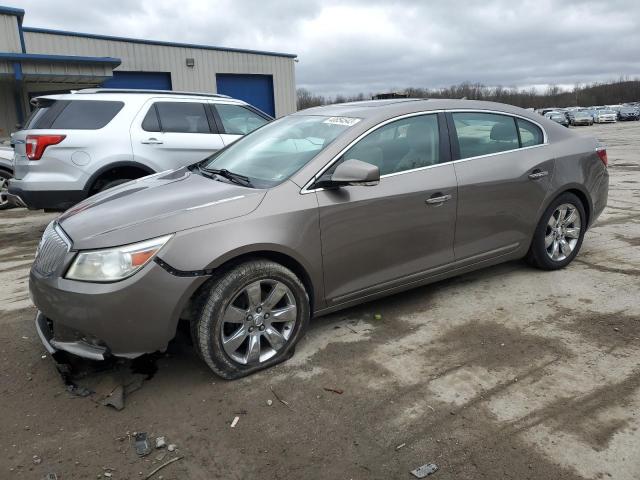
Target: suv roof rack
[{"x": 142, "y": 90}]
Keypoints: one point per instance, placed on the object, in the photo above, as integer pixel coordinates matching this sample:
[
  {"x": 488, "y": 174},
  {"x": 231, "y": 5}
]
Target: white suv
[{"x": 75, "y": 145}]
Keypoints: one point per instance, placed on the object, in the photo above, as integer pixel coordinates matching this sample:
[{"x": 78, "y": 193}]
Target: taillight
[
  {"x": 602, "y": 153},
  {"x": 36, "y": 144}
]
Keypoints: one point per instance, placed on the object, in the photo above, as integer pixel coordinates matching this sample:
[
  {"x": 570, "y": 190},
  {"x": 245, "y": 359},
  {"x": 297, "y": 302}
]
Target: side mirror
[{"x": 351, "y": 172}]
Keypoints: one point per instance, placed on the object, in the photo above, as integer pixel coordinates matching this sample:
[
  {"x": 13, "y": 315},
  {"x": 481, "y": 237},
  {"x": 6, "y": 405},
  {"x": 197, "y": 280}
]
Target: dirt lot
[{"x": 508, "y": 372}]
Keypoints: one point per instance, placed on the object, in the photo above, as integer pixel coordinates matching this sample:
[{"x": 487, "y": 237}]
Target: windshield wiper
[{"x": 234, "y": 177}]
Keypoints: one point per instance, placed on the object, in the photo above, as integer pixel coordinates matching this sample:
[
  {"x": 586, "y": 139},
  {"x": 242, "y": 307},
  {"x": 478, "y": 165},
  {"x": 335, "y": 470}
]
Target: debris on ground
[
  {"x": 377, "y": 316},
  {"x": 107, "y": 383},
  {"x": 161, "y": 442},
  {"x": 269, "y": 402},
  {"x": 402, "y": 445},
  {"x": 424, "y": 470},
  {"x": 37, "y": 460},
  {"x": 141, "y": 444},
  {"x": 50, "y": 476},
  {"x": 153, "y": 472},
  {"x": 285, "y": 403},
  {"x": 172, "y": 447},
  {"x": 235, "y": 422},
  {"x": 334, "y": 390}
]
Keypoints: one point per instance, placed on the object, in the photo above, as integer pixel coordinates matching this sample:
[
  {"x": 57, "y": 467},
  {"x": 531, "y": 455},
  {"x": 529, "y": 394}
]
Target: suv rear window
[{"x": 73, "y": 114}]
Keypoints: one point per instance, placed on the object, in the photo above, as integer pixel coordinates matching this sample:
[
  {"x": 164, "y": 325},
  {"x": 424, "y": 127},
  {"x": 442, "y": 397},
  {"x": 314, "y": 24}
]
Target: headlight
[{"x": 116, "y": 263}]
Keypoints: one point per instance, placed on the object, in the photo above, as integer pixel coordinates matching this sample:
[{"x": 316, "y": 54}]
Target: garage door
[
  {"x": 256, "y": 90},
  {"x": 151, "y": 80}
]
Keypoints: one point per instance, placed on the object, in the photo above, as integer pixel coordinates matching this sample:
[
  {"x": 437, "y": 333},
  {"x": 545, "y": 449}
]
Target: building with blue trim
[{"x": 38, "y": 61}]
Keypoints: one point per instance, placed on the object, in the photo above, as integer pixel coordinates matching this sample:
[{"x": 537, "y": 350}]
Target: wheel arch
[
  {"x": 123, "y": 166},
  {"x": 237, "y": 257}
]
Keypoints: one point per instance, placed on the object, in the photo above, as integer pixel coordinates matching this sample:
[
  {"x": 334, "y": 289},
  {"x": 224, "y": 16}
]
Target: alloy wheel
[
  {"x": 563, "y": 232},
  {"x": 4, "y": 192},
  {"x": 258, "y": 322}
]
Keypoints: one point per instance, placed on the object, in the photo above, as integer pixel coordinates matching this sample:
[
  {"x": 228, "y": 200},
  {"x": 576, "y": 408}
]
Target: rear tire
[
  {"x": 254, "y": 315},
  {"x": 112, "y": 183},
  {"x": 559, "y": 234}
]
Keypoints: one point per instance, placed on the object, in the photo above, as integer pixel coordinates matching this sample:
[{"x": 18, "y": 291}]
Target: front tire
[
  {"x": 559, "y": 234},
  {"x": 253, "y": 317}
]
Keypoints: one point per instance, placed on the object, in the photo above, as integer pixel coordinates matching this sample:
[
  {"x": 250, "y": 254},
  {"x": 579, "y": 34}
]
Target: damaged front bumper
[
  {"x": 127, "y": 319},
  {"x": 80, "y": 347}
]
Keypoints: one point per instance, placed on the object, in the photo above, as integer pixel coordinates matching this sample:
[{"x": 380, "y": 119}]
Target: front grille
[{"x": 51, "y": 251}]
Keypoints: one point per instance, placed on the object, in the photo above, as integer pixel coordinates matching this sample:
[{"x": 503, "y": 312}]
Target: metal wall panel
[
  {"x": 9, "y": 36},
  {"x": 8, "y": 118},
  {"x": 163, "y": 58}
]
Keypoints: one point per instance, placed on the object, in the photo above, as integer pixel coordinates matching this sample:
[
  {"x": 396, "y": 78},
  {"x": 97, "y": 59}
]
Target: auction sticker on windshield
[{"x": 346, "y": 121}]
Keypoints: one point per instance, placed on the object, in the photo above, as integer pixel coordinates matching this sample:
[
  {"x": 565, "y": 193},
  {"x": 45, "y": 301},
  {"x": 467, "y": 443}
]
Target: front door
[{"x": 374, "y": 238}]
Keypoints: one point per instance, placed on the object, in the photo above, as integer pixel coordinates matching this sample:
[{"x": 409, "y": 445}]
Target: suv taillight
[
  {"x": 602, "y": 153},
  {"x": 36, "y": 144}
]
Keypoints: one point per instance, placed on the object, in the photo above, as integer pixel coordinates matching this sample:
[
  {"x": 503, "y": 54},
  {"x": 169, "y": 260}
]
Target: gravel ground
[{"x": 507, "y": 372}]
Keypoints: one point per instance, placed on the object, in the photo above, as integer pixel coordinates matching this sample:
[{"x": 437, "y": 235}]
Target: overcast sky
[{"x": 352, "y": 46}]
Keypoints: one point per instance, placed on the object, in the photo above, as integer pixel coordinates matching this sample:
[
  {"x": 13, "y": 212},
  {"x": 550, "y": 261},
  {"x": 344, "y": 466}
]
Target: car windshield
[
  {"x": 273, "y": 153},
  {"x": 607, "y": 112},
  {"x": 628, "y": 110}
]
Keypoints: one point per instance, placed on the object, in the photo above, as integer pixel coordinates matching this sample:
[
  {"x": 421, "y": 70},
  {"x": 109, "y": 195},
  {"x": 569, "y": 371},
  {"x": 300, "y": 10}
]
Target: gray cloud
[{"x": 352, "y": 46}]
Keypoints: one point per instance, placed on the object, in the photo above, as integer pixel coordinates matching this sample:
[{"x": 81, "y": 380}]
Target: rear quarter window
[
  {"x": 530, "y": 134},
  {"x": 86, "y": 115}
]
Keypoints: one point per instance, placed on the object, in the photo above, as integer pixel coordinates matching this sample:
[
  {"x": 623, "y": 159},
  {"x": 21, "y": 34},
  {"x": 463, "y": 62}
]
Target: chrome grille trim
[{"x": 52, "y": 250}]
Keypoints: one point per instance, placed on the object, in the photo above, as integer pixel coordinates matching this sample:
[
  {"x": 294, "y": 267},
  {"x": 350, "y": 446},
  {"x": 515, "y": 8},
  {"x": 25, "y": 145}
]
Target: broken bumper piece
[{"x": 80, "y": 347}]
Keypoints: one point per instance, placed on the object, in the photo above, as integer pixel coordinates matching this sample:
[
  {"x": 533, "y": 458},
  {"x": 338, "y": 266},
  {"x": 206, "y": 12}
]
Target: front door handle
[
  {"x": 536, "y": 174},
  {"x": 152, "y": 141},
  {"x": 438, "y": 198}
]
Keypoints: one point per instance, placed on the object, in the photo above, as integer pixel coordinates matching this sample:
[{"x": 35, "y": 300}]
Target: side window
[
  {"x": 150, "y": 122},
  {"x": 484, "y": 133},
  {"x": 182, "y": 117},
  {"x": 530, "y": 134},
  {"x": 86, "y": 114},
  {"x": 238, "y": 120},
  {"x": 402, "y": 145}
]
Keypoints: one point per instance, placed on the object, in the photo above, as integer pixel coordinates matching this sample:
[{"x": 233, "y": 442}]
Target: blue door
[
  {"x": 257, "y": 90},
  {"x": 150, "y": 80}
]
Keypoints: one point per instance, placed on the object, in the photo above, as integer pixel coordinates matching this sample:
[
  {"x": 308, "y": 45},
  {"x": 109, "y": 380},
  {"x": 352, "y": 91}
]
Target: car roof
[
  {"x": 380, "y": 109},
  {"x": 139, "y": 94}
]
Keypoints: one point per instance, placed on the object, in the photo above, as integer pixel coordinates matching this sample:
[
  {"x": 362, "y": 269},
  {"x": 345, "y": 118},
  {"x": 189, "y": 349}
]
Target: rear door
[
  {"x": 378, "y": 237},
  {"x": 169, "y": 133},
  {"x": 504, "y": 175},
  {"x": 234, "y": 121}
]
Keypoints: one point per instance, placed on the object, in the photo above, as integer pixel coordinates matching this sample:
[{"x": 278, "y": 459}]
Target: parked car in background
[
  {"x": 605, "y": 116},
  {"x": 557, "y": 117},
  {"x": 78, "y": 144},
  {"x": 580, "y": 117},
  {"x": 628, "y": 113},
  {"x": 6, "y": 172},
  {"x": 315, "y": 212}
]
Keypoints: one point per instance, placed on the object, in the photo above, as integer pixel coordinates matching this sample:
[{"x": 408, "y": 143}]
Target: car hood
[{"x": 153, "y": 206}]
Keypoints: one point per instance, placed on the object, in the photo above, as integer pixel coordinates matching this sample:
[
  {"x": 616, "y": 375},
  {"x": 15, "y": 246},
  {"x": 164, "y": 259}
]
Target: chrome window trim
[{"x": 545, "y": 141}]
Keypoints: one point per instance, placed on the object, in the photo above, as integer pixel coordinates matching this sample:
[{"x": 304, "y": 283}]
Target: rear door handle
[
  {"x": 536, "y": 174},
  {"x": 152, "y": 141},
  {"x": 438, "y": 198}
]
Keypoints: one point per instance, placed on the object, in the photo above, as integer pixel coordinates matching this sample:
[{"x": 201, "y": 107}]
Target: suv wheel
[
  {"x": 113, "y": 183},
  {"x": 253, "y": 317},
  {"x": 559, "y": 234}
]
